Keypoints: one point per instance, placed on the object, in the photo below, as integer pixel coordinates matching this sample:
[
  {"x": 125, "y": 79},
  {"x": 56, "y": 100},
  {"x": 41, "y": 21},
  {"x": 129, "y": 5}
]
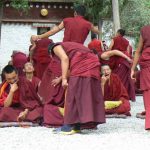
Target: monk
[
  {"x": 142, "y": 55},
  {"x": 76, "y": 28},
  {"x": 52, "y": 93},
  {"x": 120, "y": 66},
  {"x": 9, "y": 95},
  {"x": 39, "y": 56},
  {"x": 84, "y": 78},
  {"x": 95, "y": 44},
  {"x": 29, "y": 100},
  {"x": 18, "y": 61},
  {"x": 115, "y": 95}
]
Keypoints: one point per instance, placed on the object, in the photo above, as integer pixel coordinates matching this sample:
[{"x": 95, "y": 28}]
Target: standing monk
[
  {"x": 115, "y": 95},
  {"x": 39, "y": 56},
  {"x": 84, "y": 78},
  {"x": 76, "y": 28},
  {"x": 142, "y": 56},
  {"x": 121, "y": 67}
]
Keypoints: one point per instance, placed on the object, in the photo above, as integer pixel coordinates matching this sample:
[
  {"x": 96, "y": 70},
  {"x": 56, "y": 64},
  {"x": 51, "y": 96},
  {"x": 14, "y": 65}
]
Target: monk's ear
[{"x": 23, "y": 70}]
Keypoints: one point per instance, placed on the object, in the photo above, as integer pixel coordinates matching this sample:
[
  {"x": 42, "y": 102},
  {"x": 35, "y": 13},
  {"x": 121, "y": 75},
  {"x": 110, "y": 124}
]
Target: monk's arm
[
  {"x": 137, "y": 53},
  {"x": 9, "y": 98},
  {"x": 95, "y": 29},
  {"x": 110, "y": 53},
  {"x": 58, "y": 50},
  {"x": 32, "y": 50},
  {"x": 53, "y": 31}
]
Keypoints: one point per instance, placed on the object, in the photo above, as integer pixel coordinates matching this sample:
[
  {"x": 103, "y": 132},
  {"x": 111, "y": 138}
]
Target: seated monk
[
  {"x": 29, "y": 100},
  {"x": 115, "y": 95},
  {"x": 9, "y": 95},
  {"x": 52, "y": 93}
]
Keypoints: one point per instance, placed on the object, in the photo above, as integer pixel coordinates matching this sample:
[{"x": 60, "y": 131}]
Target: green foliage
[
  {"x": 21, "y": 5},
  {"x": 134, "y": 15}
]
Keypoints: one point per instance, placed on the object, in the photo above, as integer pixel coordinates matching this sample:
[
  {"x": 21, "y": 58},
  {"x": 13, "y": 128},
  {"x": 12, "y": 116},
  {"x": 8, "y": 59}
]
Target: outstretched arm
[
  {"x": 108, "y": 54},
  {"x": 51, "y": 32}
]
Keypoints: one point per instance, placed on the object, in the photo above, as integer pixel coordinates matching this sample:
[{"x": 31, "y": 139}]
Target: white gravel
[{"x": 116, "y": 134}]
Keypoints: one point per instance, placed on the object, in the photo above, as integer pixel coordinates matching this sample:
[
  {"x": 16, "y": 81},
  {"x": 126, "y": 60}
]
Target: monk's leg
[
  {"x": 146, "y": 96},
  {"x": 124, "y": 108}
]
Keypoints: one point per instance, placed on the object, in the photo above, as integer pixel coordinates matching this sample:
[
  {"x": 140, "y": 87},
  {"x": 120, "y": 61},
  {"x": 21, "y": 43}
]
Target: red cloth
[
  {"x": 52, "y": 96},
  {"x": 76, "y": 29},
  {"x": 83, "y": 62},
  {"x": 41, "y": 57},
  {"x": 29, "y": 98},
  {"x": 19, "y": 59},
  {"x": 5, "y": 93},
  {"x": 96, "y": 45},
  {"x": 120, "y": 43},
  {"x": 115, "y": 91}
]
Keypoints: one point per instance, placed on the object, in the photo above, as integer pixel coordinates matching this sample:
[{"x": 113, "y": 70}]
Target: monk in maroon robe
[
  {"x": 120, "y": 66},
  {"x": 29, "y": 100},
  {"x": 18, "y": 61},
  {"x": 39, "y": 56},
  {"x": 114, "y": 91},
  {"x": 52, "y": 93},
  {"x": 9, "y": 95},
  {"x": 142, "y": 56},
  {"x": 95, "y": 44},
  {"x": 76, "y": 28},
  {"x": 84, "y": 78}
]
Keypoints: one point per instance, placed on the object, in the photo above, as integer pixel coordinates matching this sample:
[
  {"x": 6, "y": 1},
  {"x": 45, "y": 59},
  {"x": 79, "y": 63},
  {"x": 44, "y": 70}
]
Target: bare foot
[{"x": 22, "y": 116}]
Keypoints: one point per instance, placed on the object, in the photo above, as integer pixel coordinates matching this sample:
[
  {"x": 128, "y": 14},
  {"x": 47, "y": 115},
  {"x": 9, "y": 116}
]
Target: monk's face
[
  {"x": 28, "y": 67},
  {"x": 106, "y": 71},
  {"x": 11, "y": 77}
]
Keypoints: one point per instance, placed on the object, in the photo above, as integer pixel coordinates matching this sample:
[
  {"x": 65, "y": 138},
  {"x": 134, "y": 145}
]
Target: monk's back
[
  {"x": 76, "y": 29},
  {"x": 145, "y": 32},
  {"x": 120, "y": 43}
]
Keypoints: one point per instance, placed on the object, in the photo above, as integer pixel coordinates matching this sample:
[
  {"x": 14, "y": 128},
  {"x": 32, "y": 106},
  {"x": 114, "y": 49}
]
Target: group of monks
[{"x": 71, "y": 86}]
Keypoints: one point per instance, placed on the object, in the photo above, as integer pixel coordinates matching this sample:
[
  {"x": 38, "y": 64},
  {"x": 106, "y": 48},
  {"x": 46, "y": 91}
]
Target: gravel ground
[{"x": 116, "y": 134}]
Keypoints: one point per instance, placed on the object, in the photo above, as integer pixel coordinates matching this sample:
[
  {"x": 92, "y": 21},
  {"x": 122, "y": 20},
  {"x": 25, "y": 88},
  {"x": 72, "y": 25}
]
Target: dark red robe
[
  {"x": 53, "y": 97},
  {"x": 9, "y": 114},
  {"x": 144, "y": 62},
  {"x": 84, "y": 100},
  {"x": 116, "y": 91},
  {"x": 41, "y": 58},
  {"x": 30, "y": 100},
  {"x": 19, "y": 59},
  {"x": 121, "y": 67},
  {"x": 76, "y": 29}
]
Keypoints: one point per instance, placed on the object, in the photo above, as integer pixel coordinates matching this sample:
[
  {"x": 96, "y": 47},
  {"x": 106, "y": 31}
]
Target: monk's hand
[
  {"x": 56, "y": 81},
  {"x": 133, "y": 74},
  {"x": 13, "y": 87},
  {"x": 103, "y": 80},
  {"x": 64, "y": 83},
  {"x": 34, "y": 38},
  {"x": 22, "y": 115},
  {"x": 129, "y": 60}
]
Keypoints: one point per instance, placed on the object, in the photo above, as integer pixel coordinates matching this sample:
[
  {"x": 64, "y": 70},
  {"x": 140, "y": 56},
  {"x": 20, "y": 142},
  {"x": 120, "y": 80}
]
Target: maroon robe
[
  {"x": 84, "y": 100},
  {"x": 41, "y": 57},
  {"x": 9, "y": 114},
  {"x": 116, "y": 91},
  {"x": 19, "y": 59},
  {"x": 76, "y": 29},
  {"x": 30, "y": 100},
  {"x": 53, "y": 97},
  {"x": 121, "y": 67},
  {"x": 144, "y": 62}
]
